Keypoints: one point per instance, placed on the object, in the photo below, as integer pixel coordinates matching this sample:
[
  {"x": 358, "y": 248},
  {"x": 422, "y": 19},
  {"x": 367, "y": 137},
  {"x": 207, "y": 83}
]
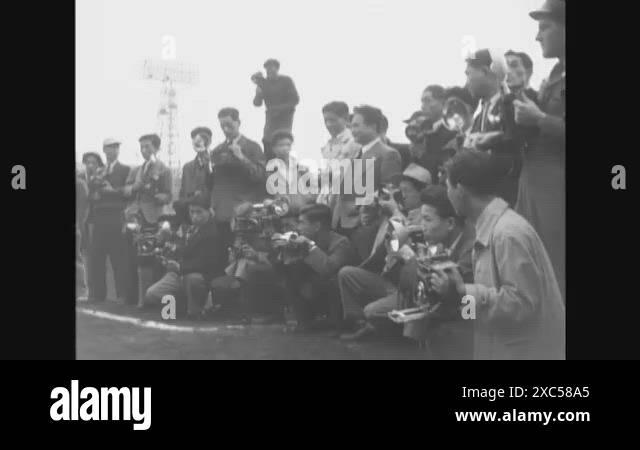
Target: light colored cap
[
  {"x": 418, "y": 173},
  {"x": 110, "y": 141}
]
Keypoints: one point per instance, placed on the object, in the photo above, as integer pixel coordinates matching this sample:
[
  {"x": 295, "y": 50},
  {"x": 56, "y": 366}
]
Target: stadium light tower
[{"x": 170, "y": 73}]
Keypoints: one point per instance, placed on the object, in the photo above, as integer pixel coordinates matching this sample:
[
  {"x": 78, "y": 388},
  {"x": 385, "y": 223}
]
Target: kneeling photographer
[
  {"x": 447, "y": 334},
  {"x": 191, "y": 268},
  {"x": 309, "y": 262},
  {"x": 251, "y": 290}
]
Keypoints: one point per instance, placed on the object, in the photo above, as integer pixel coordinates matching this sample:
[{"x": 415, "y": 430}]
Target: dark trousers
[
  {"x": 141, "y": 272},
  {"x": 107, "y": 240},
  {"x": 508, "y": 188},
  {"x": 261, "y": 292},
  {"x": 311, "y": 296},
  {"x": 224, "y": 228}
]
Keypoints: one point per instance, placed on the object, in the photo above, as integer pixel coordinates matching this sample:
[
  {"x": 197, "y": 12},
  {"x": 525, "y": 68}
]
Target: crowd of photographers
[{"x": 462, "y": 247}]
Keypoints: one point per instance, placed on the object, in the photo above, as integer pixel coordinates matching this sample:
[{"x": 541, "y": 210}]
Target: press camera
[{"x": 429, "y": 258}]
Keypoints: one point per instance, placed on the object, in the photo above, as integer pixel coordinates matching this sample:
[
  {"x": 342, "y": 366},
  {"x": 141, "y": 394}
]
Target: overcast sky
[{"x": 379, "y": 52}]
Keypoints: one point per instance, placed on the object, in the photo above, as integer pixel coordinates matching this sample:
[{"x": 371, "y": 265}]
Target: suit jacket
[
  {"x": 158, "y": 176},
  {"x": 205, "y": 252},
  {"x": 235, "y": 182},
  {"x": 333, "y": 251},
  {"x": 387, "y": 164},
  {"x": 82, "y": 203},
  {"x": 109, "y": 206},
  {"x": 195, "y": 179}
]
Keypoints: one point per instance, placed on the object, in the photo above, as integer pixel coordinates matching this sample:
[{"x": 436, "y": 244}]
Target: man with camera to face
[
  {"x": 196, "y": 174},
  {"x": 238, "y": 171},
  {"x": 428, "y": 138},
  {"x": 107, "y": 219},
  {"x": 520, "y": 72},
  {"x": 519, "y": 312},
  {"x": 280, "y": 97},
  {"x": 310, "y": 263}
]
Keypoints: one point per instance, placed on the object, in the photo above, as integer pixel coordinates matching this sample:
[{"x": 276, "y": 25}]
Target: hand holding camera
[
  {"x": 527, "y": 113},
  {"x": 258, "y": 78}
]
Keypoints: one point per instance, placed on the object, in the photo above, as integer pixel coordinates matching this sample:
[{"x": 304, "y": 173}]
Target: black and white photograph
[{"x": 322, "y": 180}]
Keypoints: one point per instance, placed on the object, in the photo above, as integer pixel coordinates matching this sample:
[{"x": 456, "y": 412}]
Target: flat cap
[
  {"x": 108, "y": 142},
  {"x": 417, "y": 173}
]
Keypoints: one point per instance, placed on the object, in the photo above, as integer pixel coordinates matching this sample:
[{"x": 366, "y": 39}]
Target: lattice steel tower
[{"x": 170, "y": 74}]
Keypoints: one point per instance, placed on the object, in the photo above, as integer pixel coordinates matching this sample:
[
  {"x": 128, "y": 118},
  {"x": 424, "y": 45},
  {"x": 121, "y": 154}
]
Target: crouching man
[
  {"x": 447, "y": 334},
  {"x": 201, "y": 259},
  {"x": 310, "y": 264}
]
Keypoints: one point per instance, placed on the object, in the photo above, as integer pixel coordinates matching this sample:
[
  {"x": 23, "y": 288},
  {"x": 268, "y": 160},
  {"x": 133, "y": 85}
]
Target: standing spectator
[
  {"x": 238, "y": 172},
  {"x": 366, "y": 128},
  {"x": 149, "y": 188},
  {"x": 107, "y": 220},
  {"x": 279, "y": 94},
  {"x": 490, "y": 131},
  {"x": 541, "y": 197},
  {"x": 196, "y": 174},
  {"x": 287, "y": 166},
  {"x": 520, "y": 72},
  {"x": 82, "y": 212},
  {"x": 340, "y": 145},
  {"x": 518, "y": 306},
  {"x": 430, "y": 152}
]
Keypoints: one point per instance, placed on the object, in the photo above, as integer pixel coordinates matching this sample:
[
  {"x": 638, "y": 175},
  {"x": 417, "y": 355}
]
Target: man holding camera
[
  {"x": 447, "y": 334},
  {"x": 280, "y": 97},
  {"x": 310, "y": 265},
  {"x": 370, "y": 290},
  {"x": 520, "y": 71},
  {"x": 238, "y": 171},
  {"x": 493, "y": 126},
  {"x": 515, "y": 296},
  {"x": 107, "y": 219},
  {"x": 196, "y": 174},
  {"x": 541, "y": 195},
  {"x": 200, "y": 260},
  {"x": 149, "y": 188},
  {"x": 426, "y": 133}
]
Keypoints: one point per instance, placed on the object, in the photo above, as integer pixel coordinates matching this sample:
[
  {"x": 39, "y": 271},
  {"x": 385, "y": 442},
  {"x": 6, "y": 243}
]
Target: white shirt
[{"x": 341, "y": 146}]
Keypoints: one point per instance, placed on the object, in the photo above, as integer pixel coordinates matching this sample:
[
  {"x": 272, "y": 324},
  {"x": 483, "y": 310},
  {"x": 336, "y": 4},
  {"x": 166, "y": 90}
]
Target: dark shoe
[{"x": 363, "y": 334}]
